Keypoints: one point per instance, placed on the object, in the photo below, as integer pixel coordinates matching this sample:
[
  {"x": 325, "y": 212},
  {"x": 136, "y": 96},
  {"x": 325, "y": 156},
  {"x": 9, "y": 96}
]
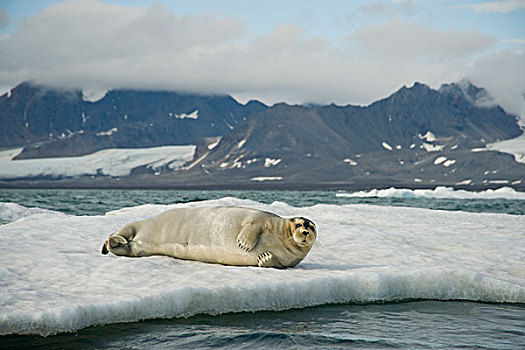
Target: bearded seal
[{"x": 224, "y": 235}]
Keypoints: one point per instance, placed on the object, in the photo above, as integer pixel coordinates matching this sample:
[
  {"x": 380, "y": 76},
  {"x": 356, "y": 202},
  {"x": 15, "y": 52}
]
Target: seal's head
[{"x": 303, "y": 232}]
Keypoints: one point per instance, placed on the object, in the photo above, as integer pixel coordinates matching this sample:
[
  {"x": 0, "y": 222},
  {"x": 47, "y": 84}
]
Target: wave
[
  {"x": 438, "y": 192},
  {"x": 54, "y": 278},
  {"x": 10, "y": 212}
]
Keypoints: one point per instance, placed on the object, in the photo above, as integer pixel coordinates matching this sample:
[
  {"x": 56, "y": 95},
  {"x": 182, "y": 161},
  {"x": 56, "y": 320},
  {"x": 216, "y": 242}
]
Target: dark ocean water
[
  {"x": 414, "y": 324},
  {"x": 98, "y": 202}
]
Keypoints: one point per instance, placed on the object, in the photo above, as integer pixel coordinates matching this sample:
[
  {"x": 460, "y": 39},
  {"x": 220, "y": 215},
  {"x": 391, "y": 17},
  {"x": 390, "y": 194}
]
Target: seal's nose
[{"x": 306, "y": 233}]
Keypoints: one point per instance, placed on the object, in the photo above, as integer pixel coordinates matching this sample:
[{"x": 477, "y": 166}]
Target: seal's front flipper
[
  {"x": 249, "y": 236},
  {"x": 267, "y": 259}
]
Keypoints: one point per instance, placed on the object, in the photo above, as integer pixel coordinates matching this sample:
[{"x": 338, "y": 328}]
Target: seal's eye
[{"x": 297, "y": 225}]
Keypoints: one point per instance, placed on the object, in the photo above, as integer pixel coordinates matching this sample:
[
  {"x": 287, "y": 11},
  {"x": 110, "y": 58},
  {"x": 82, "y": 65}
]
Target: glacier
[{"x": 108, "y": 162}]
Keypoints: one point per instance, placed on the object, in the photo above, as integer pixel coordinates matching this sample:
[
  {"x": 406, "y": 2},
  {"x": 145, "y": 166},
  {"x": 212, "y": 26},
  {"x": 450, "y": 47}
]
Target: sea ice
[
  {"x": 54, "y": 278},
  {"x": 438, "y": 192}
]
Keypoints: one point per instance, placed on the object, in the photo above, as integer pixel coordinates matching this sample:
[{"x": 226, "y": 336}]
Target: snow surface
[
  {"x": 109, "y": 162},
  {"x": 515, "y": 146},
  {"x": 10, "y": 154},
  {"x": 10, "y": 212},
  {"x": 192, "y": 115},
  {"x": 464, "y": 182},
  {"x": 429, "y": 136},
  {"x": 432, "y": 148},
  {"x": 107, "y": 133},
  {"x": 93, "y": 95},
  {"x": 54, "y": 278},
  {"x": 267, "y": 178},
  {"x": 438, "y": 192},
  {"x": 241, "y": 143},
  {"x": 439, "y": 160},
  {"x": 214, "y": 144},
  {"x": 269, "y": 162}
]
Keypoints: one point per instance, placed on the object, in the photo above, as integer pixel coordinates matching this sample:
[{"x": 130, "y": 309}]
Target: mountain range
[
  {"x": 417, "y": 137},
  {"x": 57, "y": 123}
]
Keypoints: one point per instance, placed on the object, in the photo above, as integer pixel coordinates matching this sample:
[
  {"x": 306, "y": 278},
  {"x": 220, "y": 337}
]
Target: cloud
[
  {"x": 88, "y": 42},
  {"x": 501, "y": 6},
  {"x": 4, "y": 19},
  {"x": 405, "y": 42},
  {"x": 503, "y": 73},
  {"x": 94, "y": 46}
]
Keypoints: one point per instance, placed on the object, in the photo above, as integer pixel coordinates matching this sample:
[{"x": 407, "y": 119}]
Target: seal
[{"x": 224, "y": 235}]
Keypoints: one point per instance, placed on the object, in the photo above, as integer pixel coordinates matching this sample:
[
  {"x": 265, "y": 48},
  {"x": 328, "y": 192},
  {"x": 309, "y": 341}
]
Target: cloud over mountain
[{"x": 93, "y": 45}]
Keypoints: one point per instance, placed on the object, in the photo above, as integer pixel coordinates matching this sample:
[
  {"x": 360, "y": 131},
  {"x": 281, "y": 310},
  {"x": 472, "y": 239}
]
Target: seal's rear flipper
[
  {"x": 105, "y": 248},
  {"x": 118, "y": 245}
]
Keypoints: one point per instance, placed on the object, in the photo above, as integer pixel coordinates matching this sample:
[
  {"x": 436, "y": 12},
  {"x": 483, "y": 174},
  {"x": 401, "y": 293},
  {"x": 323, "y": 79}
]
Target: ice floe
[{"x": 54, "y": 278}]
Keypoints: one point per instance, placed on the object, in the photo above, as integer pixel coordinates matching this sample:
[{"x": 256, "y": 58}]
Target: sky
[{"x": 331, "y": 51}]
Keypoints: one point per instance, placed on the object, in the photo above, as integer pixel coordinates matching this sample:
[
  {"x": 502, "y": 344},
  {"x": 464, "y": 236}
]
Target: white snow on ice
[
  {"x": 10, "y": 212},
  {"x": 109, "y": 162},
  {"x": 438, "y": 192},
  {"x": 54, "y": 278}
]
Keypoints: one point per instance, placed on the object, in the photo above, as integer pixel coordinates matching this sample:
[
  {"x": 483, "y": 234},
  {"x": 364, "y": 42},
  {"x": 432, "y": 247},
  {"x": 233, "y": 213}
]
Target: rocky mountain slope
[
  {"x": 50, "y": 122},
  {"x": 417, "y": 137}
]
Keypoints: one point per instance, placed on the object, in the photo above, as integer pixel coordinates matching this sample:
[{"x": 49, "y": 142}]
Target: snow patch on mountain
[
  {"x": 267, "y": 178},
  {"x": 268, "y": 162},
  {"x": 93, "y": 95},
  {"x": 109, "y": 162},
  {"x": 193, "y": 115},
  {"x": 515, "y": 146},
  {"x": 429, "y": 136},
  {"x": 9, "y": 154},
  {"x": 108, "y": 132}
]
